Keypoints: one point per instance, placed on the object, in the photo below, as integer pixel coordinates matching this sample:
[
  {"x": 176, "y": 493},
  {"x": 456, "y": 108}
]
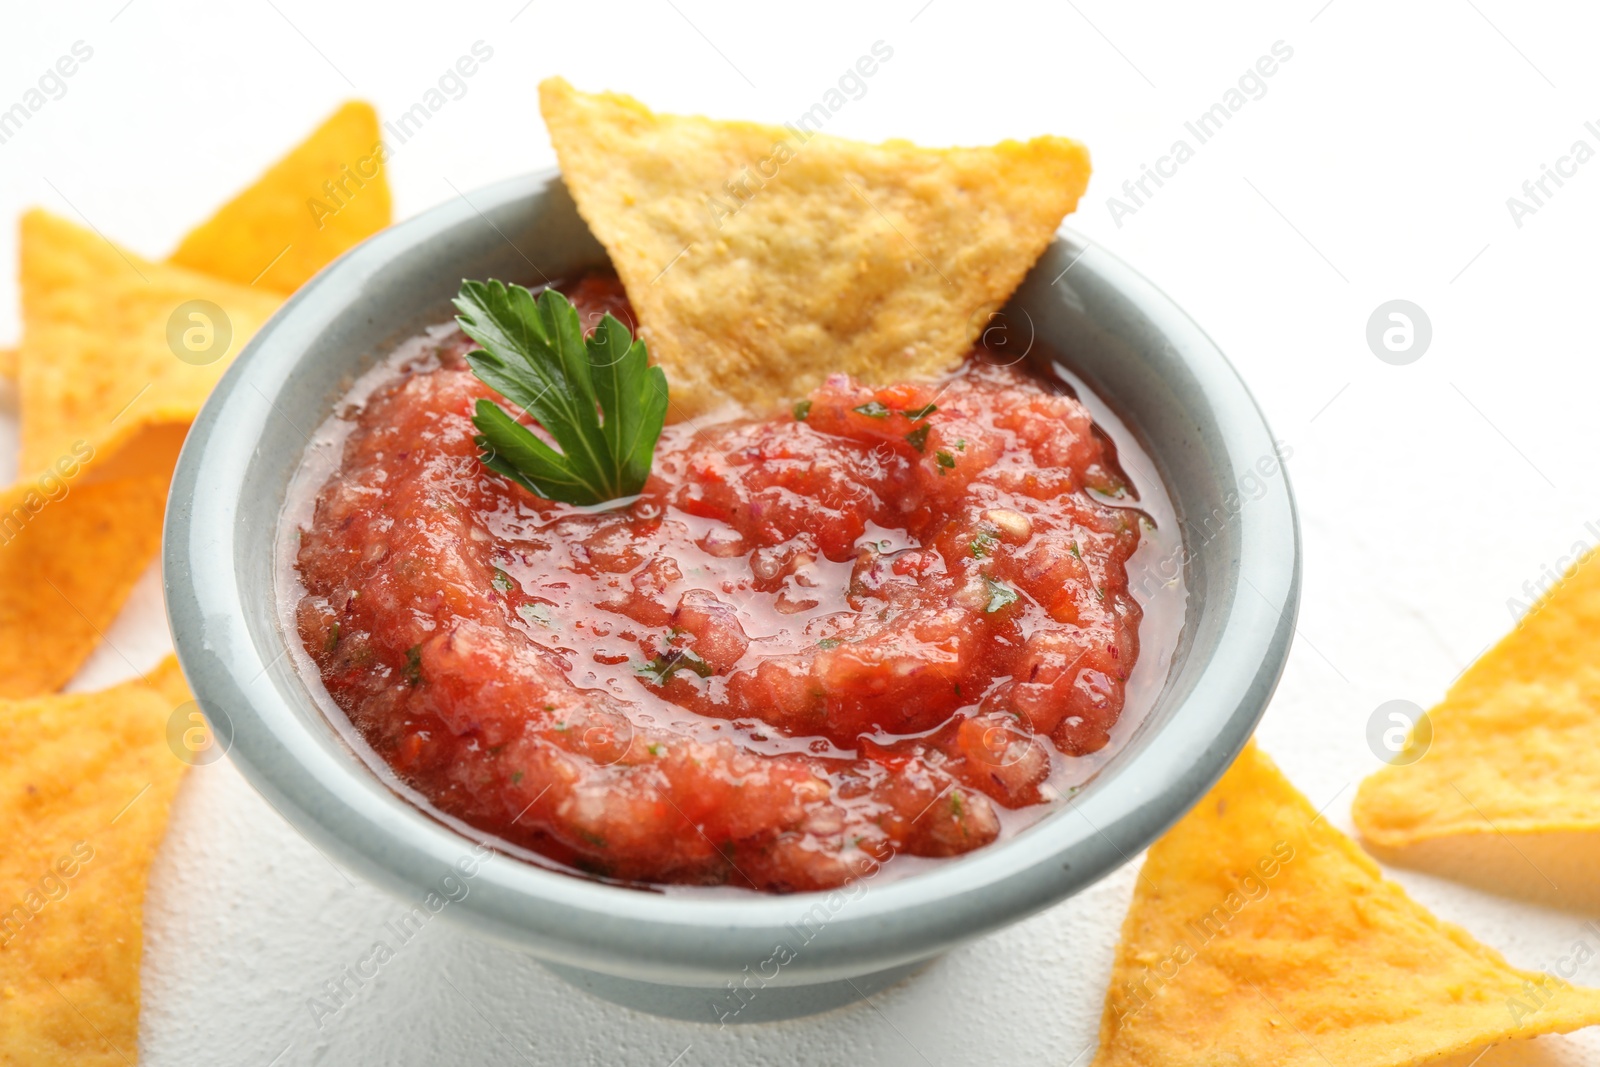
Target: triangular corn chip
[
  {"x": 761, "y": 259},
  {"x": 326, "y": 195},
  {"x": 168, "y": 680},
  {"x": 104, "y": 404},
  {"x": 1507, "y": 795},
  {"x": 85, "y": 521},
  {"x": 1259, "y": 934},
  {"x": 8, "y": 362},
  {"x": 86, "y": 781},
  {"x": 69, "y": 554},
  {"x": 108, "y": 328}
]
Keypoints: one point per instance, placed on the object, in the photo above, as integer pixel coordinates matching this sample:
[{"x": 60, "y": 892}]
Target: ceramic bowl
[{"x": 683, "y": 954}]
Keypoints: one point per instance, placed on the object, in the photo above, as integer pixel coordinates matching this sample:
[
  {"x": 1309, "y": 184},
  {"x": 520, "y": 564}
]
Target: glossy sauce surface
[{"x": 816, "y": 641}]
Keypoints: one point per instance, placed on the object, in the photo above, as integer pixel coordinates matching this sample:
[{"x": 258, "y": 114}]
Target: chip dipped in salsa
[{"x": 892, "y": 620}]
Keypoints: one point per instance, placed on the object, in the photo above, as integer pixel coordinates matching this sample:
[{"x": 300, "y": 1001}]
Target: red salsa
[{"x": 815, "y": 641}]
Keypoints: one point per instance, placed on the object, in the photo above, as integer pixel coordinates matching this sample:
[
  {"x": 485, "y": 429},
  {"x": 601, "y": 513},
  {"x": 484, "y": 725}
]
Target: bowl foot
[{"x": 736, "y": 1002}]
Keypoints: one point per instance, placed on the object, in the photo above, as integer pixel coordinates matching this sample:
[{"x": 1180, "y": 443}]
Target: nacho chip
[
  {"x": 104, "y": 403},
  {"x": 1507, "y": 795},
  {"x": 86, "y": 781},
  {"x": 69, "y": 555},
  {"x": 98, "y": 320},
  {"x": 325, "y": 196},
  {"x": 1259, "y": 934},
  {"x": 761, "y": 258},
  {"x": 8, "y": 362},
  {"x": 131, "y": 344},
  {"x": 168, "y": 680}
]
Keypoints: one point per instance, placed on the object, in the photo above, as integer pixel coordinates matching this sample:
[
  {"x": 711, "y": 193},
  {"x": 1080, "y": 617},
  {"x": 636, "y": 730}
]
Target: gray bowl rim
[{"x": 350, "y": 815}]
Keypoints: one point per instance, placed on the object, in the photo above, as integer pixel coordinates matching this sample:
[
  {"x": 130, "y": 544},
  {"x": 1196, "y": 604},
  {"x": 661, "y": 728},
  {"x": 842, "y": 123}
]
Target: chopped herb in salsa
[
  {"x": 661, "y": 669},
  {"x": 1000, "y": 595}
]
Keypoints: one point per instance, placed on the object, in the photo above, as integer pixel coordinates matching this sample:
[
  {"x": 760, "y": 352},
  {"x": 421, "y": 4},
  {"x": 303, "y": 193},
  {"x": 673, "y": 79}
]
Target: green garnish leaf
[
  {"x": 801, "y": 410},
  {"x": 597, "y": 397},
  {"x": 333, "y": 638},
  {"x": 501, "y": 581},
  {"x": 945, "y": 459},
  {"x": 1077, "y": 553},
  {"x": 919, "y": 437},
  {"x": 873, "y": 409},
  {"x": 661, "y": 669},
  {"x": 829, "y": 642},
  {"x": 413, "y": 667},
  {"x": 1000, "y": 595},
  {"x": 982, "y": 543},
  {"x": 538, "y": 613},
  {"x": 920, "y": 413}
]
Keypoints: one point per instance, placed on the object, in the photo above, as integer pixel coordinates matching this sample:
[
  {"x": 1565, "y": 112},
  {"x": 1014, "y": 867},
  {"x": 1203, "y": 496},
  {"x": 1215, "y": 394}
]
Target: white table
[{"x": 1376, "y": 166}]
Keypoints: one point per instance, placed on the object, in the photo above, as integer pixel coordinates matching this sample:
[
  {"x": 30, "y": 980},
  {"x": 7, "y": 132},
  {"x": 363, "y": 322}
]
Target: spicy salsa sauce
[{"x": 815, "y": 641}]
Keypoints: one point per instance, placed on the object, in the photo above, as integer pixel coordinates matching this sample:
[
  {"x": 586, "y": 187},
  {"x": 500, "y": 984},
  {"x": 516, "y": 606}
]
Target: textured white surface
[{"x": 1377, "y": 166}]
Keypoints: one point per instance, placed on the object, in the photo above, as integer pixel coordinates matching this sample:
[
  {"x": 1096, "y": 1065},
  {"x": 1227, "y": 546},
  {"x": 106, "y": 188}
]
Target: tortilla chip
[
  {"x": 1259, "y": 934},
  {"x": 105, "y": 401},
  {"x": 168, "y": 680},
  {"x": 327, "y": 195},
  {"x": 1507, "y": 795},
  {"x": 103, "y": 316},
  {"x": 66, "y": 566},
  {"x": 86, "y": 781},
  {"x": 8, "y": 362},
  {"x": 760, "y": 259}
]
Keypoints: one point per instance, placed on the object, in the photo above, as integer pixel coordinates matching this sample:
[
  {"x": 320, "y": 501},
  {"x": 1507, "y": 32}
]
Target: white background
[{"x": 1377, "y": 166}]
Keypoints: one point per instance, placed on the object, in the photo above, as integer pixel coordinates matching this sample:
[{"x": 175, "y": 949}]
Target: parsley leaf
[
  {"x": 1001, "y": 595},
  {"x": 873, "y": 409},
  {"x": 598, "y": 397},
  {"x": 923, "y": 412},
  {"x": 538, "y": 613},
  {"x": 802, "y": 408},
  {"x": 919, "y": 437},
  {"x": 661, "y": 669}
]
